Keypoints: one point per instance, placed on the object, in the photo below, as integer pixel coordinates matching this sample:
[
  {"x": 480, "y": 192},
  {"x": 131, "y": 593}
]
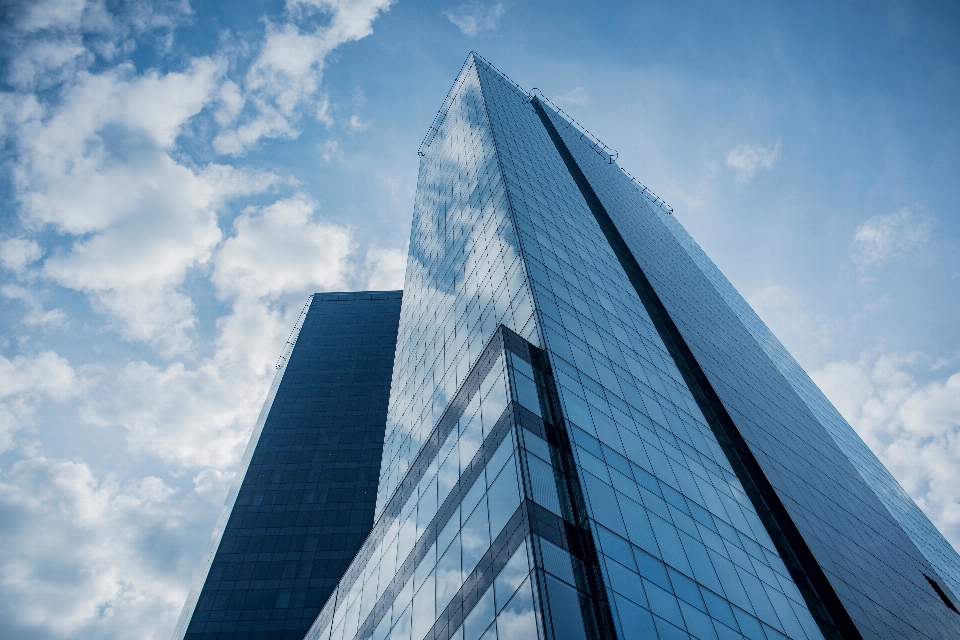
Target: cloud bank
[{"x": 140, "y": 220}]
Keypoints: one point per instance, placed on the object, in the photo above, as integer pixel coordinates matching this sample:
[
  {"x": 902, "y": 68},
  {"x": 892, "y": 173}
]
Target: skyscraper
[
  {"x": 590, "y": 434},
  {"x": 303, "y": 501}
]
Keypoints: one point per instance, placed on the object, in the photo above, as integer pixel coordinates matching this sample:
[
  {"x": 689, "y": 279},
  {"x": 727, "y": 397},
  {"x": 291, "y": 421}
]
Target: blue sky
[{"x": 176, "y": 178}]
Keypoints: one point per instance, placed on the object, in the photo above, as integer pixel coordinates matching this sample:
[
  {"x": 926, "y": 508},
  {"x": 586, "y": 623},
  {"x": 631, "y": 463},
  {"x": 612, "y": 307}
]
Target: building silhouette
[{"x": 591, "y": 434}]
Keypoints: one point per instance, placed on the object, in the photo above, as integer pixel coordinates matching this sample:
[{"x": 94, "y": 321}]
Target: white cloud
[
  {"x": 47, "y": 61},
  {"x": 200, "y": 417},
  {"x": 884, "y": 238},
  {"x": 100, "y": 166},
  {"x": 282, "y": 249},
  {"x": 287, "y": 73},
  {"x": 84, "y": 164},
  {"x": 329, "y": 150},
  {"x": 356, "y": 124},
  {"x": 747, "y": 159},
  {"x": 18, "y": 253},
  {"x": 231, "y": 102},
  {"x": 51, "y": 14},
  {"x": 25, "y": 382},
  {"x": 196, "y": 418},
  {"x": 133, "y": 268},
  {"x": 36, "y": 314},
  {"x": 323, "y": 111},
  {"x": 912, "y": 425},
  {"x": 90, "y": 557},
  {"x": 103, "y": 161},
  {"x": 108, "y": 29},
  {"x": 385, "y": 268},
  {"x": 472, "y": 18},
  {"x": 577, "y": 95}
]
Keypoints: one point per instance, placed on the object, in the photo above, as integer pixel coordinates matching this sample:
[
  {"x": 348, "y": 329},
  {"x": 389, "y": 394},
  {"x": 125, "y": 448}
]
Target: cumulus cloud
[
  {"x": 49, "y": 14},
  {"x": 885, "y": 238},
  {"x": 133, "y": 268},
  {"x": 356, "y": 124},
  {"x": 385, "y": 268},
  {"x": 328, "y": 150},
  {"x": 472, "y": 18},
  {"x": 280, "y": 249},
  {"x": 100, "y": 158},
  {"x": 99, "y": 167},
  {"x": 43, "y": 35},
  {"x": 287, "y": 73},
  {"x": 17, "y": 253},
  {"x": 36, "y": 314},
  {"x": 25, "y": 382},
  {"x": 910, "y": 417},
  {"x": 85, "y": 163},
  {"x": 47, "y": 61},
  {"x": 90, "y": 557},
  {"x": 747, "y": 159},
  {"x": 577, "y": 95},
  {"x": 200, "y": 417}
]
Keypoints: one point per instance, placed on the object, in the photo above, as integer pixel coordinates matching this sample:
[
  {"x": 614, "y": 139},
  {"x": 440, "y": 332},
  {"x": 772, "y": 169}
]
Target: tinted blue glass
[
  {"x": 464, "y": 275},
  {"x": 554, "y": 466},
  {"x": 307, "y": 500},
  {"x": 625, "y": 402},
  {"x": 862, "y": 527}
]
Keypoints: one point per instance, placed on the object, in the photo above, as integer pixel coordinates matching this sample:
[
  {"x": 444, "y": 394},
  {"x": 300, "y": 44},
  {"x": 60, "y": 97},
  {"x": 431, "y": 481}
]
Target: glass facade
[
  {"x": 307, "y": 497},
  {"x": 590, "y": 434},
  {"x": 652, "y": 471},
  {"x": 882, "y": 557},
  {"x": 464, "y": 276}
]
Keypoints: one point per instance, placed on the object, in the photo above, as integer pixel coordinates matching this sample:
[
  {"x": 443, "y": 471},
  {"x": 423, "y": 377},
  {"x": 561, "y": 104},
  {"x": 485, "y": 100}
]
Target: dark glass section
[
  {"x": 940, "y": 592},
  {"x": 307, "y": 500},
  {"x": 823, "y": 602},
  {"x": 871, "y": 542}
]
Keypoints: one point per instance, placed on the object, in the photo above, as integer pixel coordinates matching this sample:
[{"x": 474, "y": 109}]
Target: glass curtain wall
[
  {"x": 866, "y": 531},
  {"x": 548, "y": 470},
  {"x": 464, "y": 275},
  {"x": 654, "y": 478}
]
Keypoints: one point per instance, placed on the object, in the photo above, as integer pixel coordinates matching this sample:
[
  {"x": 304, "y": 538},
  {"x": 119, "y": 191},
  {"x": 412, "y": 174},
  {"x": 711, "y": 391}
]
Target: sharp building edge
[
  {"x": 303, "y": 500},
  {"x": 589, "y": 435}
]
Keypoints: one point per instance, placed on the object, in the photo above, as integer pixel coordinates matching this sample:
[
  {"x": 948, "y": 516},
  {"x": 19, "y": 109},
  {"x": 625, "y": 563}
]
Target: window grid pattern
[
  {"x": 468, "y": 499},
  {"x": 915, "y": 523},
  {"x": 821, "y": 470},
  {"x": 464, "y": 277},
  {"x": 654, "y": 477},
  {"x": 307, "y": 500}
]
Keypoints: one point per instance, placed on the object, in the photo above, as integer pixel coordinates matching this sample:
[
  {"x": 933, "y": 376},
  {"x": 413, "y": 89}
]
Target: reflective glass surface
[
  {"x": 307, "y": 499},
  {"x": 552, "y": 469},
  {"x": 653, "y": 475},
  {"x": 449, "y": 529},
  {"x": 875, "y": 545},
  {"x": 928, "y": 539},
  {"x": 464, "y": 276}
]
